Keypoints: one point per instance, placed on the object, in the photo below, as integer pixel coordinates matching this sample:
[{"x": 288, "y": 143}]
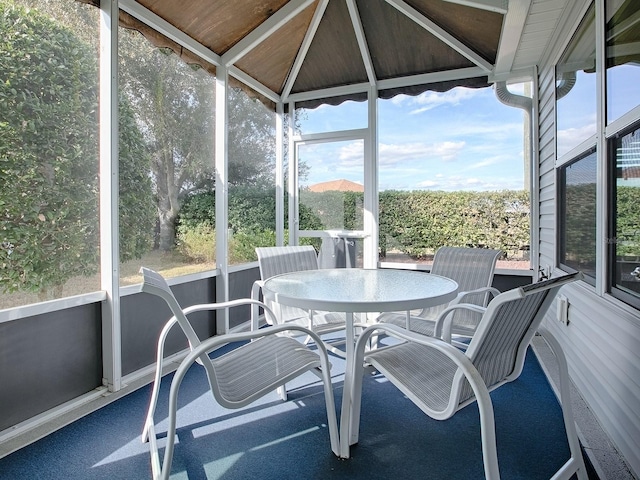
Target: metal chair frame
[
  {"x": 441, "y": 379},
  {"x": 260, "y": 362}
]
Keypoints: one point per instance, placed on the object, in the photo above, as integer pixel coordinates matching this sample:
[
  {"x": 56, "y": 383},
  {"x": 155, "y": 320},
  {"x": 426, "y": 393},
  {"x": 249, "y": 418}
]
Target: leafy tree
[
  {"x": 137, "y": 206},
  {"x": 49, "y": 157},
  {"x": 251, "y": 140},
  {"x": 173, "y": 105}
]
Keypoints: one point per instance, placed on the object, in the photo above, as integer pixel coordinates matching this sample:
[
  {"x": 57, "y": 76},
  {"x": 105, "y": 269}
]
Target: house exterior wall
[{"x": 602, "y": 338}]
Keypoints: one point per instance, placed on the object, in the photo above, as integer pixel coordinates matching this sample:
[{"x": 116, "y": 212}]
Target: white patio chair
[
  {"x": 441, "y": 379},
  {"x": 259, "y": 363},
  {"x": 277, "y": 260},
  {"x": 472, "y": 269}
]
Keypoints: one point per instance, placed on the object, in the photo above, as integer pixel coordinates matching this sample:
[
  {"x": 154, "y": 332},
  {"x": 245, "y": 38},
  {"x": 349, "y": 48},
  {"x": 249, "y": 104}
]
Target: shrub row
[{"x": 415, "y": 223}]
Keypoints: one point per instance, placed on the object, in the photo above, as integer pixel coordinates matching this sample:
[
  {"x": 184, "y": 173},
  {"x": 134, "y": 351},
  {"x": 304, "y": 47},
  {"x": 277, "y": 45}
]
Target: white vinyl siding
[{"x": 602, "y": 339}]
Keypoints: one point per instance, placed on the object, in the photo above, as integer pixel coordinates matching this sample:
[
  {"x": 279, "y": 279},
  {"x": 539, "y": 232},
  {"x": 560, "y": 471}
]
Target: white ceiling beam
[
  {"x": 426, "y": 78},
  {"x": 498, "y": 6},
  {"x": 440, "y": 33},
  {"x": 330, "y": 92},
  {"x": 512, "y": 28},
  {"x": 264, "y": 30},
  {"x": 304, "y": 48},
  {"x": 362, "y": 41},
  {"x": 407, "y": 81},
  {"x": 136, "y": 10}
]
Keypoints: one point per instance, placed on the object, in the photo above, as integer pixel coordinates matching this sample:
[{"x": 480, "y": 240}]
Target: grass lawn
[{"x": 169, "y": 264}]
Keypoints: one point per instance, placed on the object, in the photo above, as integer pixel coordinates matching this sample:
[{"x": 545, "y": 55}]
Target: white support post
[
  {"x": 279, "y": 173},
  {"x": 109, "y": 246},
  {"x": 534, "y": 194},
  {"x": 222, "y": 199},
  {"x": 292, "y": 180},
  {"x": 602, "y": 201},
  {"x": 371, "y": 221}
]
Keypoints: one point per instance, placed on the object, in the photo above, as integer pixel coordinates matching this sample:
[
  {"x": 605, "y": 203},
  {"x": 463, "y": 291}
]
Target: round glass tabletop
[{"x": 360, "y": 290}]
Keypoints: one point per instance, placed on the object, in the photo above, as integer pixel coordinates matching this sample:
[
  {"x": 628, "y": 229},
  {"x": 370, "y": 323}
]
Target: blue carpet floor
[{"x": 289, "y": 440}]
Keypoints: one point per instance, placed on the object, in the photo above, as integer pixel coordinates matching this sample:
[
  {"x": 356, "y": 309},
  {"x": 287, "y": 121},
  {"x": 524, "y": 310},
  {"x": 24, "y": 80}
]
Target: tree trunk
[
  {"x": 167, "y": 236},
  {"x": 168, "y": 206}
]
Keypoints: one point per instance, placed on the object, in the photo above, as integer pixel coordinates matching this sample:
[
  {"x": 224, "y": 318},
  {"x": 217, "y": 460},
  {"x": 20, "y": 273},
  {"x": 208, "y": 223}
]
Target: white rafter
[
  {"x": 498, "y": 6},
  {"x": 304, "y": 48},
  {"x": 436, "y": 30},
  {"x": 264, "y": 30},
  {"x": 398, "y": 82},
  {"x": 362, "y": 41},
  {"x": 330, "y": 92},
  {"x": 435, "y": 77}
]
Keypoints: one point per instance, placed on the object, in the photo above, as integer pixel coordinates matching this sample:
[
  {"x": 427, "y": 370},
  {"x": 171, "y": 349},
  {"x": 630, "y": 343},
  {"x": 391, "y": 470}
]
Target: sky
[{"x": 463, "y": 139}]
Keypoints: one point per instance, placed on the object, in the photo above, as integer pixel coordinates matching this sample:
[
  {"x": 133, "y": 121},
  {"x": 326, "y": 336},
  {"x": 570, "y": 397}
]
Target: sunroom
[{"x": 182, "y": 137}]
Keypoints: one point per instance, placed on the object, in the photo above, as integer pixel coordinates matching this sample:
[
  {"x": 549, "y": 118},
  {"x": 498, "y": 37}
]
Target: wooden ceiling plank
[
  {"x": 273, "y": 23},
  {"x": 362, "y": 41},
  {"x": 441, "y": 34},
  {"x": 304, "y": 48},
  {"x": 253, "y": 83},
  {"x": 136, "y": 10}
]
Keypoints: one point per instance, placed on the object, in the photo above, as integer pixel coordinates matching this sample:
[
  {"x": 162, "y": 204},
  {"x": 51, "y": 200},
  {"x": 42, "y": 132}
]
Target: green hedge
[
  {"x": 417, "y": 223},
  {"x": 627, "y": 222},
  {"x": 414, "y": 223}
]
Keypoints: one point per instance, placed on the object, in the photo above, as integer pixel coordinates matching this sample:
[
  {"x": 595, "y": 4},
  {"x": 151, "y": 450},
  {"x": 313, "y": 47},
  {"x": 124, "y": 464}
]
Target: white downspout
[{"x": 531, "y": 163}]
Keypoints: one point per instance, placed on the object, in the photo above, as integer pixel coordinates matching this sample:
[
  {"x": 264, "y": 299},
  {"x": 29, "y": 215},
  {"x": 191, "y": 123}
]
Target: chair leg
[
  {"x": 282, "y": 392},
  {"x": 158, "y": 378},
  {"x": 576, "y": 462},
  {"x": 488, "y": 433},
  {"x": 329, "y": 401},
  {"x": 356, "y": 402}
]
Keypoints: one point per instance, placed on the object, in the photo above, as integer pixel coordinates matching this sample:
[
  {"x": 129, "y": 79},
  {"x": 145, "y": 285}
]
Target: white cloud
[
  {"x": 391, "y": 154},
  {"x": 351, "y": 154},
  {"x": 427, "y": 184},
  {"x": 452, "y": 183},
  {"x": 489, "y": 161},
  {"x": 572, "y": 137},
  {"x": 429, "y": 100}
]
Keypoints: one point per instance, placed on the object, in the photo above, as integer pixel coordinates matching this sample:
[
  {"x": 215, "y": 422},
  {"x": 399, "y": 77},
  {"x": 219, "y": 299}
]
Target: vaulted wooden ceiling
[{"x": 341, "y": 47}]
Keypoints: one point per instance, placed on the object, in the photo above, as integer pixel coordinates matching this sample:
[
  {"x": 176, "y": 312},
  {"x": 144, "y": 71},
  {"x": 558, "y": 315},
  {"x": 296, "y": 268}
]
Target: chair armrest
[
  {"x": 230, "y": 304},
  {"x": 198, "y": 358},
  {"x": 442, "y": 328},
  {"x": 461, "y": 295},
  {"x": 491, "y": 290}
]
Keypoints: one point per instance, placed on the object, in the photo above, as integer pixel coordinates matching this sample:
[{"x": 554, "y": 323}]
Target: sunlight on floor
[{"x": 218, "y": 468}]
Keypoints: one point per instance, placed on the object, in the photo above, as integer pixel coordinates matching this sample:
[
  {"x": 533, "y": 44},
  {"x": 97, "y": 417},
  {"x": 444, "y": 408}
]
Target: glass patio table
[{"x": 355, "y": 290}]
